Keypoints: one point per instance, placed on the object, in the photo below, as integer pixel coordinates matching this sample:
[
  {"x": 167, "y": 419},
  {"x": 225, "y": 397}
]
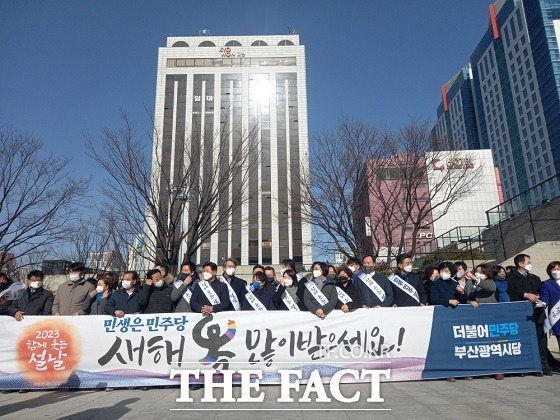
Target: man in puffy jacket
[
  {"x": 156, "y": 296},
  {"x": 126, "y": 300}
]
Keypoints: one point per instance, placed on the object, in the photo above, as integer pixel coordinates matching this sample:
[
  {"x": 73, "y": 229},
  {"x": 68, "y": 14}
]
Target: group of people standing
[{"x": 356, "y": 284}]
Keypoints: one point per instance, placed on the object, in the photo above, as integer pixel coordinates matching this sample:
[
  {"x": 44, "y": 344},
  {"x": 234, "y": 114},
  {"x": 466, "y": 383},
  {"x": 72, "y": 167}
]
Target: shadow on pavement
[
  {"x": 108, "y": 413},
  {"x": 40, "y": 401}
]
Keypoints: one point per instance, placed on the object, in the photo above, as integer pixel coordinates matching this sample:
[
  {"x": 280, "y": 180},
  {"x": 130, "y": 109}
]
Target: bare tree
[
  {"x": 38, "y": 199},
  {"x": 166, "y": 196},
  {"x": 365, "y": 186}
]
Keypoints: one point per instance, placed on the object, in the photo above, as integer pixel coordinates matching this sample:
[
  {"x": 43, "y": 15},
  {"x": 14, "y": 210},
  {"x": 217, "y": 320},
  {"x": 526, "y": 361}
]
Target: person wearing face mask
[
  {"x": 271, "y": 281},
  {"x": 5, "y": 282},
  {"x": 319, "y": 274},
  {"x": 258, "y": 297},
  {"x": 460, "y": 273},
  {"x": 499, "y": 277},
  {"x": 156, "y": 298},
  {"x": 165, "y": 274},
  {"x": 480, "y": 288},
  {"x": 125, "y": 301},
  {"x": 210, "y": 295},
  {"x": 286, "y": 296},
  {"x": 354, "y": 264},
  {"x": 444, "y": 290},
  {"x": 183, "y": 287},
  {"x": 70, "y": 295},
  {"x": 525, "y": 286},
  {"x": 404, "y": 295},
  {"x": 375, "y": 288},
  {"x": 236, "y": 286},
  {"x": 550, "y": 294},
  {"x": 351, "y": 291},
  {"x": 95, "y": 302},
  {"x": 35, "y": 300},
  {"x": 289, "y": 264},
  {"x": 331, "y": 271},
  {"x": 320, "y": 301}
]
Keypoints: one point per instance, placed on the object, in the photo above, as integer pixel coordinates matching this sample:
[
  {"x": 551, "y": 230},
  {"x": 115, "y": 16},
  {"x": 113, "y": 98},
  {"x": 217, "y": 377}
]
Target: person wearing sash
[
  {"x": 210, "y": 295},
  {"x": 550, "y": 294},
  {"x": 156, "y": 298},
  {"x": 320, "y": 301},
  {"x": 351, "y": 299},
  {"x": 286, "y": 296},
  {"x": 375, "y": 288},
  {"x": 407, "y": 286},
  {"x": 319, "y": 273},
  {"x": 237, "y": 286},
  {"x": 258, "y": 297},
  {"x": 525, "y": 286},
  {"x": 184, "y": 286}
]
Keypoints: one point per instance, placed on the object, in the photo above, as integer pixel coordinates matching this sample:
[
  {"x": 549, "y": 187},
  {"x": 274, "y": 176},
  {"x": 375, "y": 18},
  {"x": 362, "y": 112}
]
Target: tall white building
[{"x": 210, "y": 83}]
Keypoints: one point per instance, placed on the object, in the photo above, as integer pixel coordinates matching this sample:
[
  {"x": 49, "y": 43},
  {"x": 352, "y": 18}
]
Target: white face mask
[
  {"x": 317, "y": 273},
  {"x": 555, "y": 274},
  {"x": 408, "y": 268},
  {"x": 230, "y": 271},
  {"x": 99, "y": 289},
  {"x": 528, "y": 267},
  {"x": 288, "y": 282},
  {"x": 480, "y": 276},
  {"x": 282, "y": 271},
  {"x": 159, "y": 283},
  {"x": 126, "y": 284},
  {"x": 460, "y": 274},
  {"x": 445, "y": 276},
  {"x": 206, "y": 276},
  {"x": 352, "y": 268},
  {"x": 74, "y": 276},
  {"x": 36, "y": 284}
]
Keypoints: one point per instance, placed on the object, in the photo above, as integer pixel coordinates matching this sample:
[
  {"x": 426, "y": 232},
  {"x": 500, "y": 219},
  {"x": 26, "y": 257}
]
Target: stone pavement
[{"x": 513, "y": 398}]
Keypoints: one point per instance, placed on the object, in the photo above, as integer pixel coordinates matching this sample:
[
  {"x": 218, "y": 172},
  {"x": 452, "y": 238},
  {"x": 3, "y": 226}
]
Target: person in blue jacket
[
  {"x": 444, "y": 290},
  {"x": 550, "y": 294},
  {"x": 499, "y": 277}
]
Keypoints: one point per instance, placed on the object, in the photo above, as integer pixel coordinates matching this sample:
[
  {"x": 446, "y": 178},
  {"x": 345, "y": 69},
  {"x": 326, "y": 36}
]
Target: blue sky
[{"x": 67, "y": 67}]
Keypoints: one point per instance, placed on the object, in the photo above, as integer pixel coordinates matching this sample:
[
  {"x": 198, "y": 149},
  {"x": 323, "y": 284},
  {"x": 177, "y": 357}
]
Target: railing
[{"x": 541, "y": 193}]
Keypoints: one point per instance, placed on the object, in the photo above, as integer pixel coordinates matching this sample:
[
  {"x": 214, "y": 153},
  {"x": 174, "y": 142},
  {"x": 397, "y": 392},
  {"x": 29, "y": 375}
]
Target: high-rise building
[
  {"x": 516, "y": 96},
  {"x": 207, "y": 84}
]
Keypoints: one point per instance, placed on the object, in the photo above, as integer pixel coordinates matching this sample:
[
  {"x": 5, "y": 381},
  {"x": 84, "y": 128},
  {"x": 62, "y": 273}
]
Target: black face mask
[
  {"x": 331, "y": 277},
  {"x": 343, "y": 279},
  {"x": 368, "y": 269},
  {"x": 500, "y": 277}
]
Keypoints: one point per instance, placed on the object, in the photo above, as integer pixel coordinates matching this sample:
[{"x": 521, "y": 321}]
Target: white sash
[
  {"x": 254, "y": 301},
  {"x": 372, "y": 284},
  {"x": 553, "y": 317},
  {"x": 405, "y": 287},
  {"x": 317, "y": 294},
  {"x": 343, "y": 296},
  {"x": 209, "y": 292},
  {"x": 188, "y": 294},
  {"x": 232, "y": 296},
  {"x": 289, "y": 302}
]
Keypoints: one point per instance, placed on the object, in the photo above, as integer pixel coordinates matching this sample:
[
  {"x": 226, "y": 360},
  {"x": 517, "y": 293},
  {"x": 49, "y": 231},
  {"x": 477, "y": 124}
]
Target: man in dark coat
[
  {"x": 239, "y": 286},
  {"x": 522, "y": 285},
  {"x": 200, "y": 302},
  {"x": 369, "y": 297},
  {"x": 156, "y": 296},
  {"x": 404, "y": 271},
  {"x": 126, "y": 300},
  {"x": 35, "y": 300}
]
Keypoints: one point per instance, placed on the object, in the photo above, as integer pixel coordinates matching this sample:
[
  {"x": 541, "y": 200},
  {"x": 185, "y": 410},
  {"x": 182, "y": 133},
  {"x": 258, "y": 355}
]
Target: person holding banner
[
  {"x": 183, "y": 287},
  {"x": 445, "y": 291},
  {"x": 407, "y": 286},
  {"x": 156, "y": 296},
  {"x": 210, "y": 295},
  {"x": 349, "y": 297},
  {"x": 126, "y": 300},
  {"x": 320, "y": 301},
  {"x": 499, "y": 277},
  {"x": 525, "y": 286},
  {"x": 258, "y": 297},
  {"x": 550, "y": 294},
  {"x": 286, "y": 296},
  {"x": 481, "y": 288},
  {"x": 375, "y": 288},
  {"x": 70, "y": 295},
  {"x": 35, "y": 300}
]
